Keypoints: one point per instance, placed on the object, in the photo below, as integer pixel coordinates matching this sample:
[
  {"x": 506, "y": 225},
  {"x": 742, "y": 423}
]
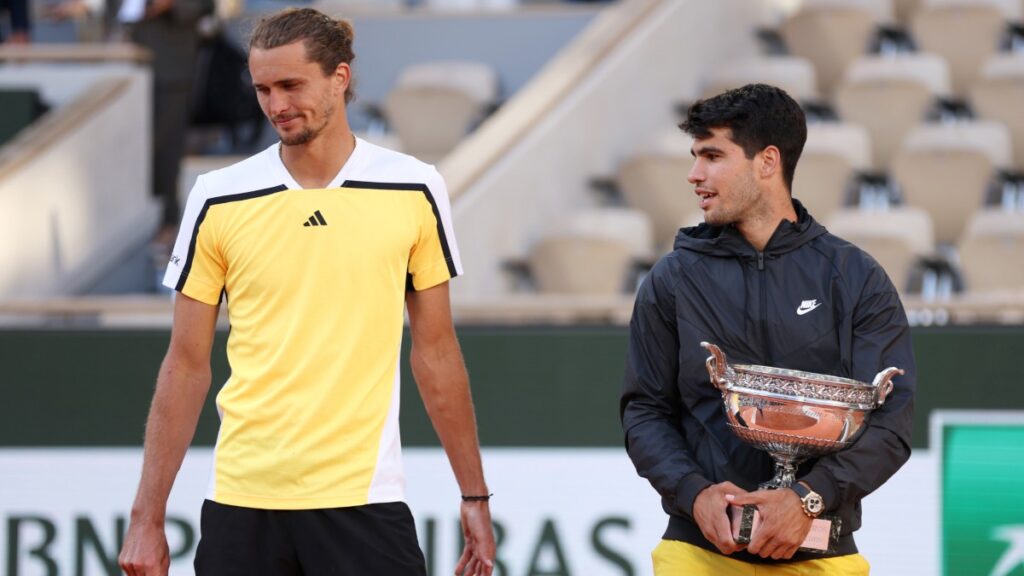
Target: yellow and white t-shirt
[{"x": 315, "y": 284}]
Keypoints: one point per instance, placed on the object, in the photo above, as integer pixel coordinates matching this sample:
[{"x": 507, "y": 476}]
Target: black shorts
[{"x": 370, "y": 540}]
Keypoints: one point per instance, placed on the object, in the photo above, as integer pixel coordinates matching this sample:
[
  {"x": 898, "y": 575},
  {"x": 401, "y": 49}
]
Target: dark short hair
[
  {"x": 328, "y": 41},
  {"x": 758, "y": 115}
]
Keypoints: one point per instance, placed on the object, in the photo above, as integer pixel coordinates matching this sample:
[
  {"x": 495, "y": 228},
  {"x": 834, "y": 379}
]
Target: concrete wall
[{"x": 79, "y": 197}]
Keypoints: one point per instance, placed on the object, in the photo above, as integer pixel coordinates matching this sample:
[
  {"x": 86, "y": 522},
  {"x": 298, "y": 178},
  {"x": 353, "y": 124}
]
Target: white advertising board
[{"x": 559, "y": 511}]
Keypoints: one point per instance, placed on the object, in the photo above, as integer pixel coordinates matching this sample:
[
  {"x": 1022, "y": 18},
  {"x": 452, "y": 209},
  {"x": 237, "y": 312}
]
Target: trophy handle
[
  {"x": 883, "y": 382},
  {"x": 716, "y": 365}
]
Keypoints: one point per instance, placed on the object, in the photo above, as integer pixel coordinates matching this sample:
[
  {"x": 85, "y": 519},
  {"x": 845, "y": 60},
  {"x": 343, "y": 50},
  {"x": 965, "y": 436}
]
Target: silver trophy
[{"x": 794, "y": 416}]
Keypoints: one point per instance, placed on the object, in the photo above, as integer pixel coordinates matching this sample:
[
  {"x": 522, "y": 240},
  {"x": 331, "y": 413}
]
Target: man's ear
[
  {"x": 343, "y": 76},
  {"x": 771, "y": 162}
]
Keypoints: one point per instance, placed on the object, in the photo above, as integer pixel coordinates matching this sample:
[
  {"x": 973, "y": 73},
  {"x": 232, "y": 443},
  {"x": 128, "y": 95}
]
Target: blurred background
[{"x": 554, "y": 125}]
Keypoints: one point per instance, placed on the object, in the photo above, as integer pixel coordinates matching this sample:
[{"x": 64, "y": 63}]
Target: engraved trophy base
[{"x": 820, "y": 540}]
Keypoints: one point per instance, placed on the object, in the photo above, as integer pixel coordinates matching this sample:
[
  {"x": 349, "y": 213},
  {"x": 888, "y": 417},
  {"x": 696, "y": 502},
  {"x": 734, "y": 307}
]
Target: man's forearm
[
  {"x": 177, "y": 402},
  {"x": 444, "y": 386},
  {"x": 660, "y": 455}
]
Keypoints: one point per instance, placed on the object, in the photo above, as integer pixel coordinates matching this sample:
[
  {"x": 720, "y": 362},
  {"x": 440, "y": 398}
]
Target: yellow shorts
[{"x": 674, "y": 558}]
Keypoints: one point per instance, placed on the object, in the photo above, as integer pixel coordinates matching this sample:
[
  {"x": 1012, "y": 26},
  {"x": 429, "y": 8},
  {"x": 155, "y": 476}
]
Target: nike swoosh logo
[{"x": 801, "y": 310}]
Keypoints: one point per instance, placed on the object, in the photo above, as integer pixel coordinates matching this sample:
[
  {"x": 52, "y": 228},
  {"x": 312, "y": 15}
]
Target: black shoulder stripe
[
  {"x": 433, "y": 205},
  {"x": 385, "y": 185},
  {"x": 202, "y": 216}
]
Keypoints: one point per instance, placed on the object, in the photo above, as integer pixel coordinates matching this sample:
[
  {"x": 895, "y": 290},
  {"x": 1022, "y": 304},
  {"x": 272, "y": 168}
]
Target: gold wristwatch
[{"x": 810, "y": 500}]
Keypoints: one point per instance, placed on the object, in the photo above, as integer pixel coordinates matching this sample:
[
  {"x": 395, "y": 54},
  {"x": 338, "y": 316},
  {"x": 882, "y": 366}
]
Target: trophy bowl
[{"x": 794, "y": 415}]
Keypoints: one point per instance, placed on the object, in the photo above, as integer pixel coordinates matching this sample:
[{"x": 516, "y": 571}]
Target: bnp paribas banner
[{"x": 557, "y": 511}]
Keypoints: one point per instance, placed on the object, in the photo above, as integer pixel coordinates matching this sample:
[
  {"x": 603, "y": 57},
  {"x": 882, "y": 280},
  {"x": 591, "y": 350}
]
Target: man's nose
[
  {"x": 696, "y": 173},
  {"x": 278, "y": 103}
]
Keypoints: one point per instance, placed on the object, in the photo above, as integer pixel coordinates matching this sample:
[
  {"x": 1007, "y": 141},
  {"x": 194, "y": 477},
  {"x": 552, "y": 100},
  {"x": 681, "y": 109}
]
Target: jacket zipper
[{"x": 764, "y": 308}]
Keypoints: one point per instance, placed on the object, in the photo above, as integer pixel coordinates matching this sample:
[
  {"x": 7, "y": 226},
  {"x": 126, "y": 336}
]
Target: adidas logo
[{"x": 317, "y": 219}]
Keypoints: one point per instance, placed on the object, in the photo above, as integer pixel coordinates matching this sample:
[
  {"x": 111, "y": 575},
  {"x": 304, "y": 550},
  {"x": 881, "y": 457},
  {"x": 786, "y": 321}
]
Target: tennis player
[{"x": 314, "y": 245}]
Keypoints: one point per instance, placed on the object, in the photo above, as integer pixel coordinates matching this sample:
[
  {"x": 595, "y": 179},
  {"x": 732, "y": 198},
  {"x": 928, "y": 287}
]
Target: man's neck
[
  {"x": 315, "y": 164},
  {"x": 759, "y": 229}
]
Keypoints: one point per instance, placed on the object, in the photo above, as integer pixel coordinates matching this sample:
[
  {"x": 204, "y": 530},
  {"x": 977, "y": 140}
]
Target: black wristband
[{"x": 476, "y": 498}]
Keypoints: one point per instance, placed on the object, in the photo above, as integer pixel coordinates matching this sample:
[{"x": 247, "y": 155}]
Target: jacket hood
[{"x": 727, "y": 240}]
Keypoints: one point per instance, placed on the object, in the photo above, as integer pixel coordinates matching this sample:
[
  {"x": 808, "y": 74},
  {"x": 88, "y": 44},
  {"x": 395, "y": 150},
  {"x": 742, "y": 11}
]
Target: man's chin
[
  {"x": 714, "y": 219},
  {"x": 299, "y": 139}
]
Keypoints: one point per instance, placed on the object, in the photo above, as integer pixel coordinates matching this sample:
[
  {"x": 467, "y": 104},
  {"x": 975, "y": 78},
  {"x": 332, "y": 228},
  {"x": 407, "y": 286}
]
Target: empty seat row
[
  {"x": 893, "y": 11},
  {"x": 833, "y": 33},
  {"x": 598, "y": 250},
  {"x": 943, "y": 170},
  {"x": 989, "y": 255},
  {"x": 890, "y": 95},
  {"x": 946, "y": 169}
]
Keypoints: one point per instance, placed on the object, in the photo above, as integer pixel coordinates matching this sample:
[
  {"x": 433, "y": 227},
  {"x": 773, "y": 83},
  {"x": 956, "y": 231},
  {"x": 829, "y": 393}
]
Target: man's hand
[
  {"x": 478, "y": 555},
  {"x": 181, "y": 389},
  {"x": 711, "y": 511},
  {"x": 145, "y": 551},
  {"x": 784, "y": 526}
]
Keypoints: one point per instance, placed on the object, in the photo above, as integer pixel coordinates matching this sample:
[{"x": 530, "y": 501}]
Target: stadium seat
[
  {"x": 580, "y": 265},
  {"x": 792, "y": 74},
  {"x": 998, "y": 95},
  {"x": 992, "y": 251},
  {"x": 965, "y": 35},
  {"x": 435, "y": 104},
  {"x": 833, "y": 153},
  {"x": 881, "y": 11},
  {"x": 927, "y": 69},
  {"x": 1012, "y": 10},
  {"x": 592, "y": 252},
  {"x": 654, "y": 181},
  {"x": 692, "y": 217},
  {"x": 990, "y": 138},
  {"x": 629, "y": 226},
  {"x": 830, "y": 38},
  {"x": 946, "y": 169},
  {"x": 897, "y": 238},
  {"x": 903, "y": 10},
  {"x": 889, "y": 95}
]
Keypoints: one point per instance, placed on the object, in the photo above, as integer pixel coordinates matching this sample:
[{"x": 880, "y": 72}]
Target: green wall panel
[
  {"x": 541, "y": 386},
  {"x": 982, "y": 504}
]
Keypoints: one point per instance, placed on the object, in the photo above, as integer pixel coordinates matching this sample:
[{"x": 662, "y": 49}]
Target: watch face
[{"x": 813, "y": 504}]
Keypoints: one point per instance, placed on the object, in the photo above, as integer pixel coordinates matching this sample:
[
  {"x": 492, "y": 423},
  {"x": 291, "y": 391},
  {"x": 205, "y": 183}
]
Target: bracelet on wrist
[{"x": 483, "y": 498}]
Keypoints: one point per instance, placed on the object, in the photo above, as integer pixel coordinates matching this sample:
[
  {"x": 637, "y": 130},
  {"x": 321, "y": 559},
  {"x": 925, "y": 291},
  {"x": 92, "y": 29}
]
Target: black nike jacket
[{"x": 716, "y": 287}]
